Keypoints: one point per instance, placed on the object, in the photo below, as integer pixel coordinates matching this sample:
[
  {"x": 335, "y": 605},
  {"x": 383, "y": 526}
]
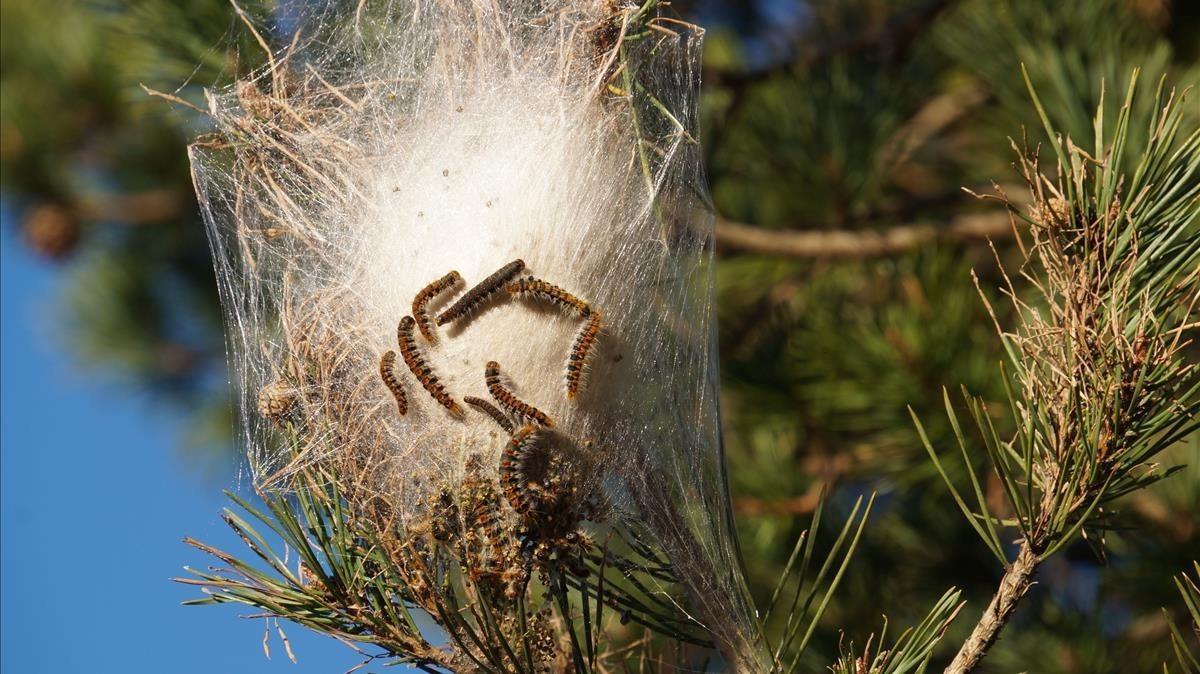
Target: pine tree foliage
[
  {"x": 1186, "y": 651},
  {"x": 1099, "y": 382},
  {"x": 831, "y": 116}
]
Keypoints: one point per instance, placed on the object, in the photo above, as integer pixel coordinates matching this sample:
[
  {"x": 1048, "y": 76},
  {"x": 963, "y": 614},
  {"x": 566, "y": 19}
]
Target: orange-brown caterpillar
[
  {"x": 512, "y": 403},
  {"x": 477, "y": 295},
  {"x": 536, "y": 287},
  {"x": 490, "y": 410},
  {"x": 420, "y": 369},
  {"x": 277, "y": 401},
  {"x": 483, "y": 510},
  {"x": 513, "y": 478},
  {"x": 420, "y": 302},
  {"x": 387, "y": 372},
  {"x": 445, "y": 515},
  {"x": 486, "y": 518},
  {"x": 577, "y": 361}
]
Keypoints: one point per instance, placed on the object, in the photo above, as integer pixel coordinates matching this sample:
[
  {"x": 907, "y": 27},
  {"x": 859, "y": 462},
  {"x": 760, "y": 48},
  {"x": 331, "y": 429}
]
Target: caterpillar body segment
[
  {"x": 387, "y": 372},
  {"x": 416, "y": 363},
  {"x": 492, "y": 411},
  {"x": 446, "y": 525},
  {"x": 508, "y": 400},
  {"x": 486, "y": 517},
  {"x": 514, "y": 478},
  {"x": 481, "y": 292},
  {"x": 421, "y": 302},
  {"x": 530, "y": 286},
  {"x": 277, "y": 401},
  {"x": 485, "y": 540},
  {"x": 577, "y": 359}
]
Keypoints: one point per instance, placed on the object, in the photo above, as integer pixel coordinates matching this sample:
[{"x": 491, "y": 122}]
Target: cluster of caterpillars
[
  {"x": 509, "y": 280},
  {"x": 541, "y": 485}
]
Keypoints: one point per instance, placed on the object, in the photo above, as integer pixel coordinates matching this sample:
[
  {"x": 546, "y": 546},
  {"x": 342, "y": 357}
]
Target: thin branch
[
  {"x": 842, "y": 244},
  {"x": 134, "y": 207},
  {"x": 172, "y": 98},
  {"x": 930, "y": 121},
  {"x": 1017, "y": 580},
  {"x": 804, "y": 504}
]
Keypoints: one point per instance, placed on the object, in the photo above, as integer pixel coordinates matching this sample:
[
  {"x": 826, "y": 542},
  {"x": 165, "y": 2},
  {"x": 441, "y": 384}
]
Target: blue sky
[{"x": 94, "y": 499}]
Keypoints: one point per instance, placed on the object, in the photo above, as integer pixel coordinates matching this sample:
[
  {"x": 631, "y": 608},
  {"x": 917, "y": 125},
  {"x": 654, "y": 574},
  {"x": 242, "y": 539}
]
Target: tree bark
[{"x": 1017, "y": 580}]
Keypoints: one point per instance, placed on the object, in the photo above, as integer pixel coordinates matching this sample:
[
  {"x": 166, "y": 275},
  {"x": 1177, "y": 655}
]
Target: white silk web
[{"x": 395, "y": 142}]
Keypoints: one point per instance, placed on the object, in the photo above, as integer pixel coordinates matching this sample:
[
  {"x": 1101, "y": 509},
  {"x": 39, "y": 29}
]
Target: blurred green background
[{"x": 820, "y": 116}]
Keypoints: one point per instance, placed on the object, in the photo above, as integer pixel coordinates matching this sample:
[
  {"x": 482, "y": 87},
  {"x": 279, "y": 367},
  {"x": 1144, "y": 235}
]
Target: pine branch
[
  {"x": 1189, "y": 592},
  {"x": 1017, "y": 580},
  {"x": 912, "y": 651},
  {"x": 1099, "y": 384},
  {"x": 842, "y": 244}
]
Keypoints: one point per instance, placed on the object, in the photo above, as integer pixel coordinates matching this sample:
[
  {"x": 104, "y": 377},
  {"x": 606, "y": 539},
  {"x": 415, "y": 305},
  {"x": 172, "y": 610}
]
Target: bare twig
[
  {"x": 827, "y": 244},
  {"x": 930, "y": 121},
  {"x": 1017, "y": 580},
  {"x": 804, "y": 504},
  {"x": 172, "y": 99}
]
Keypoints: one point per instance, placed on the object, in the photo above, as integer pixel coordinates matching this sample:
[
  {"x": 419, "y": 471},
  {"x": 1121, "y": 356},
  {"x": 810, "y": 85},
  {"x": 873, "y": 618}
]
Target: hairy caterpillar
[
  {"x": 577, "y": 360},
  {"x": 420, "y": 302},
  {"x": 513, "y": 478},
  {"x": 387, "y": 372},
  {"x": 484, "y": 523},
  {"x": 416, "y": 363},
  {"x": 536, "y": 287},
  {"x": 486, "y": 517},
  {"x": 512, "y": 403},
  {"x": 490, "y": 410},
  {"x": 277, "y": 401},
  {"x": 445, "y": 526},
  {"x": 514, "y": 578},
  {"x": 477, "y": 295}
]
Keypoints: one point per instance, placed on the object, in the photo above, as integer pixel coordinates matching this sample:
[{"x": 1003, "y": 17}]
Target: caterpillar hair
[
  {"x": 420, "y": 369},
  {"x": 513, "y": 478},
  {"x": 507, "y": 400},
  {"x": 481, "y": 292},
  {"x": 577, "y": 360},
  {"x": 543, "y": 290},
  {"x": 486, "y": 543},
  {"x": 492, "y": 411},
  {"x": 487, "y": 518},
  {"x": 445, "y": 526},
  {"x": 387, "y": 372},
  {"x": 421, "y": 302},
  {"x": 515, "y": 577}
]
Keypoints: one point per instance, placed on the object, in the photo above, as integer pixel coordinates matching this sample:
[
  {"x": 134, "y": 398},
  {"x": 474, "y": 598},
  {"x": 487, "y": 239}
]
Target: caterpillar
[
  {"x": 536, "y": 287},
  {"x": 420, "y": 369},
  {"x": 490, "y": 410},
  {"x": 577, "y": 360},
  {"x": 445, "y": 525},
  {"x": 485, "y": 542},
  {"x": 515, "y": 577},
  {"x": 486, "y": 517},
  {"x": 387, "y": 372},
  {"x": 491, "y": 375},
  {"x": 420, "y": 302},
  {"x": 477, "y": 295},
  {"x": 513, "y": 479},
  {"x": 277, "y": 401}
]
